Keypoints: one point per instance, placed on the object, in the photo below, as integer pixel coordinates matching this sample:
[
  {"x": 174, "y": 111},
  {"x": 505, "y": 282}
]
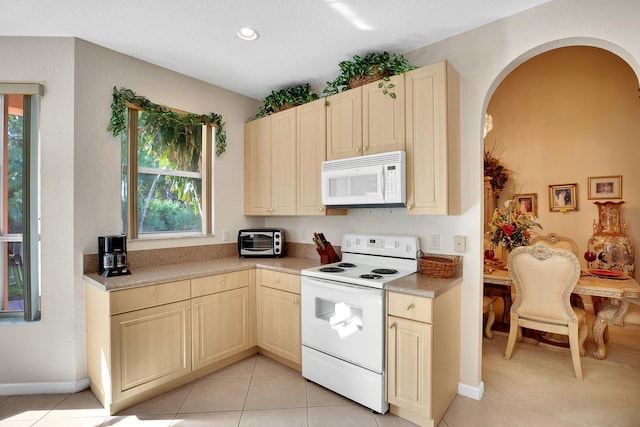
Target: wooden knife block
[{"x": 328, "y": 254}]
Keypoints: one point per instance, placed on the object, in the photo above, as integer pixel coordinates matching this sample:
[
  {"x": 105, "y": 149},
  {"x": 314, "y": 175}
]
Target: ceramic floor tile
[
  {"x": 216, "y": 394},
  {"x": 243, "y": 368},
  {"x": 266, "y": 367},
  {"x": 166, "y": 403},
  {"x": 208, "y": 419},
  {"x": 294, "y": 417},
  {"x": 320, "y": 396},
  {"x": 139, "y": 421},
  {"x": 286, "y": 391},
  {"x": 71, "y": 422},
  {"x": 390, "y": 420},
  {"x": 29, "y": 407},
  {"x": 78, "y": 405},
  {"x": 341, "y": 416}
]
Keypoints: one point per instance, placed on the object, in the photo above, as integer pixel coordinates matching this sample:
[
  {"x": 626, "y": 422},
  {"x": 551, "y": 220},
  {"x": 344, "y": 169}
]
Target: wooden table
[{"x": 623, "y": 297}]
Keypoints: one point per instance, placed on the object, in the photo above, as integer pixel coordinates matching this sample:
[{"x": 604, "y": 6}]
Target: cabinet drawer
[
  {"x": 283, "y": 281},
  {"x": 410, "y": 307},
  {"x": 219, "y": 283},
  {"x": 149, "y": 296}
]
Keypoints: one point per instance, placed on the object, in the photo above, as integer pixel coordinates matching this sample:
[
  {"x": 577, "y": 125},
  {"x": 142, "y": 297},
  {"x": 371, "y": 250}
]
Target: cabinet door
[
  {"x": 220, "y": 326},
  {"x": 409, "y": 365},
  {"x": 433, "y": 135},
  {"x": 283, "y": 163},
  {"x": 383, "y": 121},
  {"x": 257, "y": 167},
  {"x": 150, "y": 347},
  {"x": 279, "y": 323},
  {"x": 344, "y": 124},
  {"x": 312, "y": 130}
]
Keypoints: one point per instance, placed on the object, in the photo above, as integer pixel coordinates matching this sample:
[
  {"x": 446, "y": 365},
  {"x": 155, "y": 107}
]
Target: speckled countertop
[{"x": 415, "y": 284}]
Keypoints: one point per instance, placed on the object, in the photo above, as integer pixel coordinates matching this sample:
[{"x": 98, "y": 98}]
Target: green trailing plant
[
  {"x": 371, "y": 67},
  {"x": 286, "y": 98},
  {"x": 167, "y": 121}
]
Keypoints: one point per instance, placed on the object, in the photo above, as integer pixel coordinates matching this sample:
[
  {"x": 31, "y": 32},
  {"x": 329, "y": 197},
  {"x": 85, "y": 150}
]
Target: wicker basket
[
  {"x": 438, "y": 267},
  {"x": 363, "y": 80}
]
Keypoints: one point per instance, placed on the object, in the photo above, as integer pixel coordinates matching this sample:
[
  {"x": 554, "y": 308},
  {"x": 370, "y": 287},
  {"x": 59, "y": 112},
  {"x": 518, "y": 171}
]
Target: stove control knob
[
  {"x": 408, "y": 248},
  {"x": 396, "y": 244},
  {"x": 357, "y": 241}
]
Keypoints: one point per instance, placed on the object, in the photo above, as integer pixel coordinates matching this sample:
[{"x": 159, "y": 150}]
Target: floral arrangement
[
  {"x": 511, "y": 227},
  {"x": 494, "y": 170}
]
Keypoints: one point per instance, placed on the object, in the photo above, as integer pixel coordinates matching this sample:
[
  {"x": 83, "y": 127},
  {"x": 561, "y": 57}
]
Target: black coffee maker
[{"x": 112, "y": 256}]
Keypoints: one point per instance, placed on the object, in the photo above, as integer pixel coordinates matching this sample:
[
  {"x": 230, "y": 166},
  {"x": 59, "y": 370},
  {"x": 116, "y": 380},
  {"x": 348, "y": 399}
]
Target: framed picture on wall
[
  {"x": 563, "y": 197},
  {"x": 527, "y": 203},
  {"x": 605, "y": 187}
]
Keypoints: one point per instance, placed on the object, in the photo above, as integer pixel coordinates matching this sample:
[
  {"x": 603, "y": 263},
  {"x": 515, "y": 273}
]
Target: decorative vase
[{"x": 613, "y": 248}]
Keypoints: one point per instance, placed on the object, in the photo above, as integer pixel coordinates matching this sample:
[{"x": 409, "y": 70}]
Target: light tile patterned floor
[{"x": 535, "y": 388}]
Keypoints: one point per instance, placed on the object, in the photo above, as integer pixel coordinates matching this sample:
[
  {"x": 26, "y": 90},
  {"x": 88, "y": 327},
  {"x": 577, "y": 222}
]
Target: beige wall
[{"x": 561, "y": 117}]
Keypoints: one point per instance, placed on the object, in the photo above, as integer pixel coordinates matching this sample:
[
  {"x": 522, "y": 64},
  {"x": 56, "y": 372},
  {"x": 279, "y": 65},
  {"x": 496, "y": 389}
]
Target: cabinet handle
[
  {"x": 277, "y": 280},
  {"x": 365, "y": 148},
  {"x": 393, "y": 325},
  {"x": 154, "y": 296},
  {"x": 296, "y": 302},
  {"x": 320, "y": 209},
  {"x": 357, "y": 150},
  {"x": 409, "y": 307},
  {"x": 224, "y": 283}
]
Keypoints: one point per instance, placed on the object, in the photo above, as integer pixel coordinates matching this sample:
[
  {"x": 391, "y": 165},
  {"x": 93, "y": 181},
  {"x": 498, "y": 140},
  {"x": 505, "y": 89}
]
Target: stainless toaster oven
[{"x": 261, "y": 242}]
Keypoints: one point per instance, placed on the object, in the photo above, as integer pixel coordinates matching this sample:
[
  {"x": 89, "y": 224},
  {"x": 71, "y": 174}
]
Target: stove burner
[
  {"x": 331, "y": 269},
  {"x": 346, "y": 265},
  {"x": 384, "y": 271},
  {"x": 370, "y": 276}
]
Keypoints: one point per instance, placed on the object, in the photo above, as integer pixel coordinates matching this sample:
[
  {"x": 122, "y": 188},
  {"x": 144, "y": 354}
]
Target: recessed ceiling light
[{"x": 247, "y": 33}]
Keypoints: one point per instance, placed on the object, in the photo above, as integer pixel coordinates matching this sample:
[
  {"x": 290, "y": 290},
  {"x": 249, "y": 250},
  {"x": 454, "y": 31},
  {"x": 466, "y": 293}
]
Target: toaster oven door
[{"x": 256, "y": 244}]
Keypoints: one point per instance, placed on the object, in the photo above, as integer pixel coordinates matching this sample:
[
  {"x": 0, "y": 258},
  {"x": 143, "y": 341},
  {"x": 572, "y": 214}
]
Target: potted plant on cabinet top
[
  {"x": 286, "y": 98},
  {"x": 362, "y": 70}
]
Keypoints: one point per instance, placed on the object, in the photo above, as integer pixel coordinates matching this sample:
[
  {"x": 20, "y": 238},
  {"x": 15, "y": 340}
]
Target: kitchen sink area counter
[{"x": 190, "y": 270}]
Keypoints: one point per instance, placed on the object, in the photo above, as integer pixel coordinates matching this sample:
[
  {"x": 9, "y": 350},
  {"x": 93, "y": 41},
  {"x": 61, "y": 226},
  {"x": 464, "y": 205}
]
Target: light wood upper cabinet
[
  {"x": 311, "y": 136},
  {"x": 344, "y": 124},
  {"x": 257, "y": 167},
  {"x": 433, "y": 140},
  {"x": 270, "y": 165},
  {"x": 383, "y": 121},
  {"x": 364, "y": 120},
  {"x": 283, "y": 163}
]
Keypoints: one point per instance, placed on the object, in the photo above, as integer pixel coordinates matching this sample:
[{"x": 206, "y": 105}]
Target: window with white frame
[
  {"x": 19, "y": 183},
  {"x": 166, "y": 176}
]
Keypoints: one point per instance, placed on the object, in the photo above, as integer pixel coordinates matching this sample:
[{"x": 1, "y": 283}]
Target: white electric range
[{"x": 343, "y": 314}]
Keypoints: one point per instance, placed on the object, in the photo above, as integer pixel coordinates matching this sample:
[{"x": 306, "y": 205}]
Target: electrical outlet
[
  {"x": 459, "y": 243},
  {"x": 434, "y": 241},
  {"x": 225, "y": 235}
]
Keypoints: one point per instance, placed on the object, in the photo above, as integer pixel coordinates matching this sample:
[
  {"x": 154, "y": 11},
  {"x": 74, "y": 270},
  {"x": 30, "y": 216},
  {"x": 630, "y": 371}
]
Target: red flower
[{"x": 508, "y": 229}]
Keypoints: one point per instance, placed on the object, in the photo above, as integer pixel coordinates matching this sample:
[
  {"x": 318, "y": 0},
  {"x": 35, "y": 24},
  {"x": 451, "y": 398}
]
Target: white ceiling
[{"x": 300, "y": 40}]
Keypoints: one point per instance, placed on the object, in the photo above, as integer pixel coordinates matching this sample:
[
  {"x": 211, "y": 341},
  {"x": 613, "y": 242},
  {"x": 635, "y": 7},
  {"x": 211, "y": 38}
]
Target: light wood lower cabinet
[
  {"x": 423, "y": 355},
  {"x": 144, "y": 341},
  {"x": 221, "y": 317},
  {"x": 279, "y": 321},
  {"x": 150, "y": 346}
]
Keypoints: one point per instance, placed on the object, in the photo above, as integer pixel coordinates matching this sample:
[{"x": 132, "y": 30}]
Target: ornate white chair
[
  {"x": 556, "y": 241},
  {"x": 544, "y": 279},
  {"x": 487, "y": 308}
]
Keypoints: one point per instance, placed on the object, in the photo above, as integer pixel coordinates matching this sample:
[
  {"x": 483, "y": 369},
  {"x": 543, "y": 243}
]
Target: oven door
[{"x": 345, "y": 321}]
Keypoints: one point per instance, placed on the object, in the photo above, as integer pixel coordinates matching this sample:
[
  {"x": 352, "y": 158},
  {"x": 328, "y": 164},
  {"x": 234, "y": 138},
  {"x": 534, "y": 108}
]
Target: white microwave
[{"x": 375, "y": 180}]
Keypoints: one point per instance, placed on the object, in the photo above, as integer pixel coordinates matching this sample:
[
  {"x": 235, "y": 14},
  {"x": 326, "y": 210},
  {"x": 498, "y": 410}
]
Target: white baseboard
[
  {"x": 471, "y": 392},
  {"x": 44, "y": 388}
]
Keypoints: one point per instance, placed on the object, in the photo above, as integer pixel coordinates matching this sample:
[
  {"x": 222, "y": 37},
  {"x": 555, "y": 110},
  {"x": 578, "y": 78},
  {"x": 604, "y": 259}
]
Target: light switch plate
[{"x": 434, "y": 241}]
